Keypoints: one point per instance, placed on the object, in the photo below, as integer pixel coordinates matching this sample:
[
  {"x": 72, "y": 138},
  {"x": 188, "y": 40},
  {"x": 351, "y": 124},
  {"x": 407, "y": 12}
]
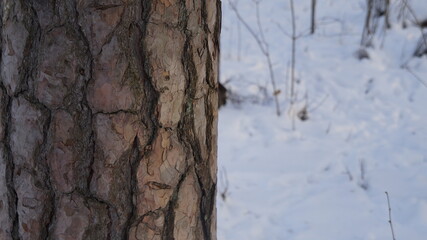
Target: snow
[{"x": 366, "y": 132}]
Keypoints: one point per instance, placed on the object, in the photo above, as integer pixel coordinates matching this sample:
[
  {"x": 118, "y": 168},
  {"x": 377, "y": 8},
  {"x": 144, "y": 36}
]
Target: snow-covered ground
[{"x": 366, "y": 132}]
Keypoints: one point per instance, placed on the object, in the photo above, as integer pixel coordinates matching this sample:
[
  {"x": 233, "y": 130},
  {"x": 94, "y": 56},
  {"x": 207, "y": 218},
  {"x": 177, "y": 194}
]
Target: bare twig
[
  {"x": 293, "y": 52},
  {"x": 411, "y": 11},
  {"x": 347, "y": 171},
  {"x": 389, "y": 216},
  {"x": 302, "y": 34},
  {"x": 251, "y": 31},
  {"x": 287, "y": 79},
  {"x": 239, "y": 42},
  {"x": 365, "y": 41},
  {"x": 324, "y": 21},
  {"x": 328, "y": 129},
  {"x": 224, "y": 181},
  {"x": 402, "y": 13},
  {"x": 387, "y": 14},
  {"x": 263, "y": 46},
  {"x": 387, "y": 25},
  {"x": 258, "y": 20},
  {"x": 363, "y": 182},
  {"x": 292, "y": 111},
  {"x": 375, "y": 10},
  {"x": 415, "y": 75},
  {"x": 319, "y": 104},
  {"x": 283, "y": 30}
]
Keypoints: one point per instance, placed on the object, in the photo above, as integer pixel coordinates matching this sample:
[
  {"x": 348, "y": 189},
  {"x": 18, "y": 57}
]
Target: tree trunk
[
  {"x": 108, "y": 120},
  {"x": 313, "y": 17}
]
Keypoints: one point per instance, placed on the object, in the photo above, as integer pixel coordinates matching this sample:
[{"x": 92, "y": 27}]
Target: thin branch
[
  {"x": 251, "y": 31},
  {"x": 225, "y": 183},
  {"x": 415, "y": 75},
  {"x": 389, "y": 216},
  {"x": 239, "y": 41},
  {"x": 263, "y": 46},
  {"x": 387, "y": 14},
  {"x": 258, "y": 20},
  {"x": 364, "y": 41},
  {"x": 302, "y": 34},
  {"x": 287, "y": 79},
  {"x": 347, "y": 171},
  {"x": 319, "y": 104},
  {"x": 283, "y": 30},
  {"x": 293, "y": 52},
  {"x": 411, "y": 11},
  {"x": 293, "y": 96}
]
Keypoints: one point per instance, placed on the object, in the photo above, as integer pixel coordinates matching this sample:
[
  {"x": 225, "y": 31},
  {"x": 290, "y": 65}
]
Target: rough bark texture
[{"x": 108, "y": 119}]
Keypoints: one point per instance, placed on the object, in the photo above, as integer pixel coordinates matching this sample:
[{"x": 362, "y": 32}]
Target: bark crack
[
  {"x": 110, "y": 209},
  {"x": 168, "y": 228},
  {"x": 41, "y": 155},
  {"x": 84, "y": 102},
  {"x": 148, "y": 111},
  {"x": 206, "y": 206},
  {"x": 187, "y": 131},
  {"x": 133, "y": 163},
  {"x": 98, "y": 6},
  {"x": 10, "y": 166}
]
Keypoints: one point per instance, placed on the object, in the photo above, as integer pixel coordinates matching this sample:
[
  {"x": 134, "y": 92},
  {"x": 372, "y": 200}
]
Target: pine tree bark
[{"x": 108, "y": 119}]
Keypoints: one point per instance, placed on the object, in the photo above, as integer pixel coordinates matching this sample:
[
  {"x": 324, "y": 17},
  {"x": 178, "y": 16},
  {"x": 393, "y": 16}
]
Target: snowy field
[{"x": 366, "y": 131}]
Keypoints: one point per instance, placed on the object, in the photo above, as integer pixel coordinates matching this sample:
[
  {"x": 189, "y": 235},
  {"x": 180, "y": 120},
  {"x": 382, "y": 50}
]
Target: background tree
[
  {"x": 313, "y": 17},
  {"x": 108, "y": 119}
]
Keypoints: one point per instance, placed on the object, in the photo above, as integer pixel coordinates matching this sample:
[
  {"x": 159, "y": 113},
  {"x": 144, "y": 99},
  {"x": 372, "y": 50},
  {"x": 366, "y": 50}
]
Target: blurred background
[{"x": 323, "y": 110}]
